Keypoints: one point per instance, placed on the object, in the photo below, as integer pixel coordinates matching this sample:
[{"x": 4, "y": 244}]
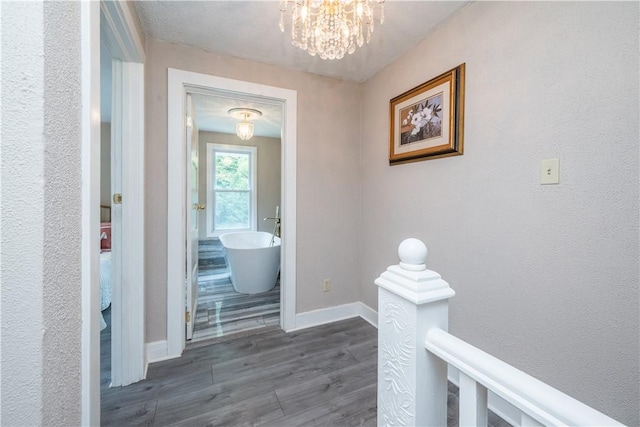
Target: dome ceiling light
[{"x": 244, "y": 128}]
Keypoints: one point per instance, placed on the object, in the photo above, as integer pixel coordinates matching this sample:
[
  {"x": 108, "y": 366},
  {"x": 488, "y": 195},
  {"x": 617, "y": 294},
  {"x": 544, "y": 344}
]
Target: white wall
[
  {"x": 546, "y": 276},
  {"x": 41, "y": 205},
  {"x": 268, "y": 174}
]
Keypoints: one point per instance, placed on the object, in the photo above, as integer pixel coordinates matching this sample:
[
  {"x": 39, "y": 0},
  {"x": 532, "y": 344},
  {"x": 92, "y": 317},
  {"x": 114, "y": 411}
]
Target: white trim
[
  {"x": 119, "y": 26},
  {"x": 368, "y": 314},
  {"x": 118, "y": 31},
  {"x": 212, "y": 148},
  {"x": 119, "y": 346},
  {"x": 322, "y": 316},
  {"x": 157, "y": 351},
  {"x": 177, "y": 82},
  {"x": 133, "y": 211},
  {"x": 90, "y": 45}
]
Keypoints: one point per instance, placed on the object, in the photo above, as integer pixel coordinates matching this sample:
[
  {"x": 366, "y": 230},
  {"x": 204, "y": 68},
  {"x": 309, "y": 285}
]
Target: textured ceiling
[
  {"x": 249, "y": 29},
  {"x": 212, "y": 115}
]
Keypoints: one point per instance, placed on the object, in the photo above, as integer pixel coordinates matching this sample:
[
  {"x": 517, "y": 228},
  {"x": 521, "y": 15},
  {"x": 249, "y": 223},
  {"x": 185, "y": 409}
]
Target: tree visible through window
[{"x": 232, "y": 173}]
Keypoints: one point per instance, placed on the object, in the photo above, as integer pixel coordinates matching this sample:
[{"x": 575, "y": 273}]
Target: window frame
[{"x": 252, "y": 151}]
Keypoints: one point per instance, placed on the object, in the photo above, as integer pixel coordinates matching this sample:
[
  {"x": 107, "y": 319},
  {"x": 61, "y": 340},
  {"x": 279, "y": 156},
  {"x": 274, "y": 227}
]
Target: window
[{"x": 231, "y": 188}]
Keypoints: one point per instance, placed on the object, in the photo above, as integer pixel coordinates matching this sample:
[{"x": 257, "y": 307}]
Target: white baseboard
[
  {"x": 368, "y": 314},
  {"x": 157, "y": 351},
  {"x": 323, "y": 316}
]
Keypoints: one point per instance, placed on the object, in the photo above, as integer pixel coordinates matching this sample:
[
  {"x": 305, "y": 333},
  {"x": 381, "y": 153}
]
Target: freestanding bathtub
[{"x": 253, "y": 264}]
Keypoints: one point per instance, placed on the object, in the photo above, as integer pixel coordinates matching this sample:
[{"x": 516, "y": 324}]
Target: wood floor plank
[
  {"x": 242, "y": 384},
  {"x": 136, "y": 414},
  {"x": 323, "y": 389},
  {"x": 260, "y": 409},
  {"x": 343, "y": 333},
  {"x": 367, "y": 349},
  {"x": 357, "y": 408},
  {"x": 174, "y": 382},
  {"x": 203, "y": 357}
]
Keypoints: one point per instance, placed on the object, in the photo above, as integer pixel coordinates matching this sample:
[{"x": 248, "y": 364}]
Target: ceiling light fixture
[
  {"x": 244, "y": 129},
  {"x": 330, "y": 28}
]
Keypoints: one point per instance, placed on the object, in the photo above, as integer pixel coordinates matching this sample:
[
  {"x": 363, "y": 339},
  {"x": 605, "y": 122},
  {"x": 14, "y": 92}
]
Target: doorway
[
  {"x": 238, "y": 189},
  {"x": 179, "y": 83},
  {"x": 114, "y": 23}
]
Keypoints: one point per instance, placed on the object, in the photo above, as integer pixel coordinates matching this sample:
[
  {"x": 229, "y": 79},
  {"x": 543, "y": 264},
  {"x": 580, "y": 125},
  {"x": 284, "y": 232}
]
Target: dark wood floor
[
  {"x": 323, "y": 375},
  {"x": 326, "y": 375}
]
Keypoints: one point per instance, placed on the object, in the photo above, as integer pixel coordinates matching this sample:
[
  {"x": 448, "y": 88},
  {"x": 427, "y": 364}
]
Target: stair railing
[{"x": 415, "y": 351}]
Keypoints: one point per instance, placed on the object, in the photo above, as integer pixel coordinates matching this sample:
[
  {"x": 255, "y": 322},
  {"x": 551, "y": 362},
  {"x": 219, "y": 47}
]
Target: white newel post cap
[
  {"x": 411, "y": 279},
  {"x": 412, "y": 253}
]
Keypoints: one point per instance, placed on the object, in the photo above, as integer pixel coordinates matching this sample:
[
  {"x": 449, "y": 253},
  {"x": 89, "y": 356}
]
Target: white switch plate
[{"x": 549, "y": 171}]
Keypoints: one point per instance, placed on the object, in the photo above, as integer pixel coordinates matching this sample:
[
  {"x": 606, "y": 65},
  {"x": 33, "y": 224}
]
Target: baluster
[
  {"x": 473, "y": 402},
  {"x": 527, "y": 421}
]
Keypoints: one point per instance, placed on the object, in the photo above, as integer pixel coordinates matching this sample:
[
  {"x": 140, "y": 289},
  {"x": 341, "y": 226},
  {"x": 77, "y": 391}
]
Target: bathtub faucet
[
  {"x": 276, "y": 228},
  {"x": 276, "y": 225}
]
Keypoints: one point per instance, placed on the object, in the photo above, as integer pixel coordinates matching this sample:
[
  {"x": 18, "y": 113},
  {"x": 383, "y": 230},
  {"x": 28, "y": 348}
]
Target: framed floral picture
[{"x": 427, "y": 122}]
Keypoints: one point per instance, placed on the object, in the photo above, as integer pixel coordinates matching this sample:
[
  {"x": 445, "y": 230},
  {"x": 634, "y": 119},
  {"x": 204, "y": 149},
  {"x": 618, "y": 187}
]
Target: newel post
[{"x": 412, "y": 383}]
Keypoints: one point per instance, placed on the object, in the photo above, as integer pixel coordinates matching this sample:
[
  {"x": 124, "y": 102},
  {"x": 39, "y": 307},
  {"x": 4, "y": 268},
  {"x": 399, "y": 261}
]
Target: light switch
[{"x": 549, "y": 171}]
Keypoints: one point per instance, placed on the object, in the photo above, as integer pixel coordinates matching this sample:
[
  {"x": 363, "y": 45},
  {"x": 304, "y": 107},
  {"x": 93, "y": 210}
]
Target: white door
[
  {"x": 117, "y": 303},
  {"x": 192, "y": 209}
]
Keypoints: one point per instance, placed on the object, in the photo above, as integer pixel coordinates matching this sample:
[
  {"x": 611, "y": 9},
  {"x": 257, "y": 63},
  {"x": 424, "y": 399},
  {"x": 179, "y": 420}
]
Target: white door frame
[
  {"x": 90, "y": 51},
  {"x": 116, "y": 26},
  {"x": 178, "y": 82}
]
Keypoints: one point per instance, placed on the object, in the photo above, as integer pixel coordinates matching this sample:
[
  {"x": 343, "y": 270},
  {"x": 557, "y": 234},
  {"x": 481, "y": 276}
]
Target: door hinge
[
  {"x": 188, "y": 316},
  {"x": 117, "y": 199}
]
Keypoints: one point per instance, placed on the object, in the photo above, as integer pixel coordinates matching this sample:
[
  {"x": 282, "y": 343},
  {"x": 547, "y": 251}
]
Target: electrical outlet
[{"x": 326, "y": 285}]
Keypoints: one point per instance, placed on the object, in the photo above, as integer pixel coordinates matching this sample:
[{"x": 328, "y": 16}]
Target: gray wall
[
  {"x": 546, "y": 276},
  {"x": 105, "y": 164},
  {"x": 268, "y": 175},
  {"x": 41, "y": 205},
  {"x": 328, "y": 177}
]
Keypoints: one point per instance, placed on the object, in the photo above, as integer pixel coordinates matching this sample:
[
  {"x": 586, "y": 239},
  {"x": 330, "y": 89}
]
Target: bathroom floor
[{"x": 221, "y": 310}]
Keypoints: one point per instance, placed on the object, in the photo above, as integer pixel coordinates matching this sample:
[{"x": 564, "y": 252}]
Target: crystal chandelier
[
  {"x": 330, "y": 28},
  {"x": 244, "y": 128}
]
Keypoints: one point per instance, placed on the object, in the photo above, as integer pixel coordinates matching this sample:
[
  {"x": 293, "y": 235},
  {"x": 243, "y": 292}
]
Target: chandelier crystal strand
[{"x": 330, "y": 28}]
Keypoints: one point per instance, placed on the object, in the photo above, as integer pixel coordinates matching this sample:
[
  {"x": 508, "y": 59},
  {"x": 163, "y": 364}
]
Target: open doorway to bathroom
[
  {"x": 239, "y": 180},
  {"x": 179, "y": 83}
]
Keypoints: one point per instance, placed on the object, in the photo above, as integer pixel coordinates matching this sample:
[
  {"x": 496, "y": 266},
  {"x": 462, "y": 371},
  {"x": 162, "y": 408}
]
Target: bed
[{"x": 105, "y": 270}]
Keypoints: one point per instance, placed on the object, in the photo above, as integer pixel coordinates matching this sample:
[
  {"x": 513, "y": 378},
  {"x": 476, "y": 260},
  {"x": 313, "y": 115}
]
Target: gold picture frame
[{"x": 427, "y": 122}]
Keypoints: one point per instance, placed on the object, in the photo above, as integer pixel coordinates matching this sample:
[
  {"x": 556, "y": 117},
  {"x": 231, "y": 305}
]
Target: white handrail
[
  {"x": 542, "y": 402},
  {"x": 413, "y": 304}
]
